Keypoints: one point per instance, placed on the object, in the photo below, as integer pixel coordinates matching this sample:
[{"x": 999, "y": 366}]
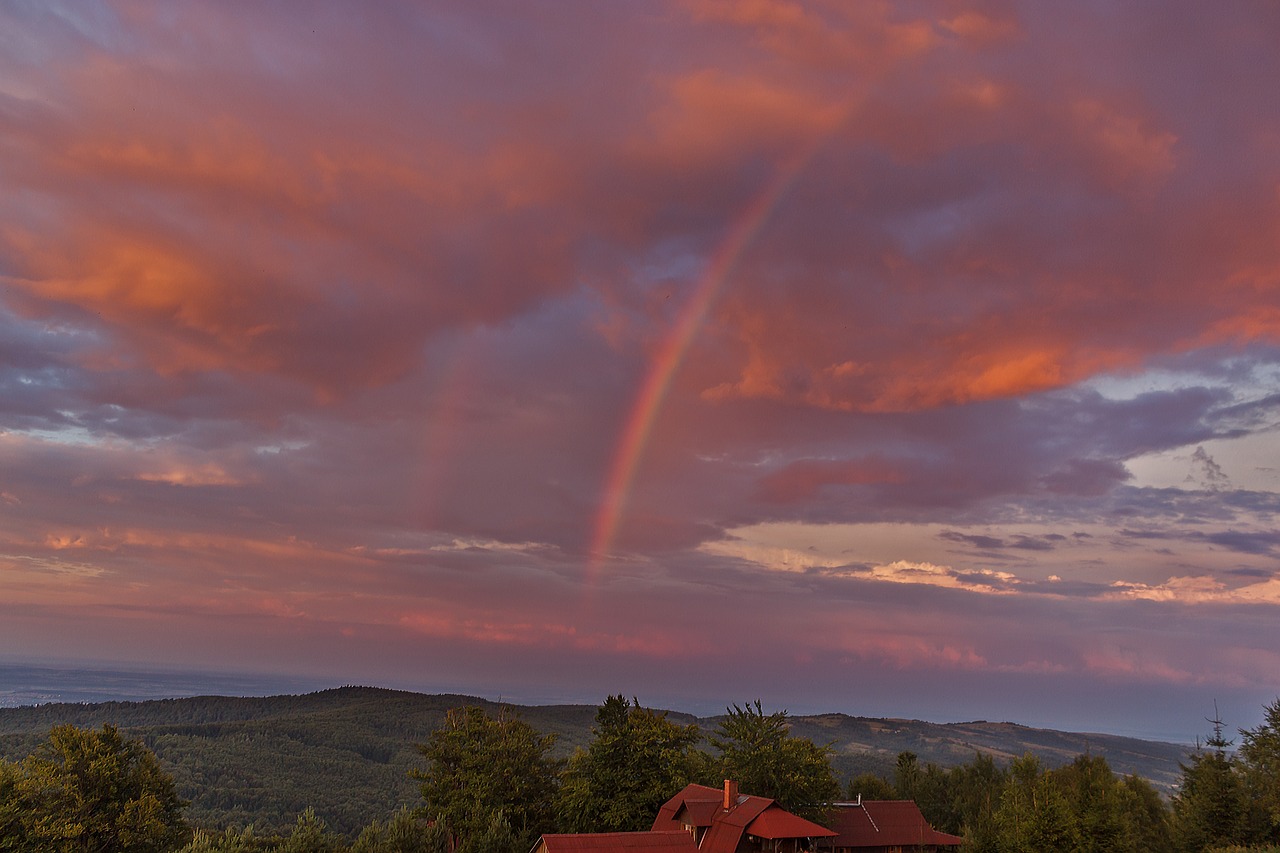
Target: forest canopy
[{"x": 488, "y": 781}]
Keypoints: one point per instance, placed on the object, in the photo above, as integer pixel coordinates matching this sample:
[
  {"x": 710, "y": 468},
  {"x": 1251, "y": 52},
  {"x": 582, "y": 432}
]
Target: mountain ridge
[{"x": 347, "y": 751}]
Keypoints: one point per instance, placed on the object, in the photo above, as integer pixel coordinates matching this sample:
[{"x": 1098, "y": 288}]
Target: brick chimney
[{"x": 730, "y": 794}]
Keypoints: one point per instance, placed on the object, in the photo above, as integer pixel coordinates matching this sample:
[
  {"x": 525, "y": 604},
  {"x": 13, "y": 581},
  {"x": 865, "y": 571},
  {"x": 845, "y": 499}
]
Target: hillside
[
  {"x": 347, "y": 752},
  {"x": 864, "y": 743}
]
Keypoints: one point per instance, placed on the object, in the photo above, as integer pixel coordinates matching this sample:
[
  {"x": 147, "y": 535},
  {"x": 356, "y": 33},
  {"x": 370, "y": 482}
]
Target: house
[
  {"x": 676, "y": 841},
  {"x": 886, "y": 826},
  {"x": 731, "y": 822},
  {"x": 707, "y": 820}
]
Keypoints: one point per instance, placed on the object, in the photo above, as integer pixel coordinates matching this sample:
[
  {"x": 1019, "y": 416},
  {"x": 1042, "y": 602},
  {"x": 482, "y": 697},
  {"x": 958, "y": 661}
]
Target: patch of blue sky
[
  {"x": 1248, "y": 376},
  {"x": 1237, "y": 462},
  {"x": 279, "y": 447},
  {"x": 73, "y": 435}
]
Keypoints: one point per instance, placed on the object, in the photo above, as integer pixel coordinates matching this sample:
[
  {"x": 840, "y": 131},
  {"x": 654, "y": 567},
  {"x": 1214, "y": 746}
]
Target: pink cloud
[
  {"x": 328, "y": 334},
  {"x": 802, "y": 480}
]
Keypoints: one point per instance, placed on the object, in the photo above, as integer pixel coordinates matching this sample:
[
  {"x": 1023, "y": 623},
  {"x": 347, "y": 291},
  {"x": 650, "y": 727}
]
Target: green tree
[
  {"x": 93, "y": 790},
  {"x": 227, "y": 841},
  {"x": 403, "y": 832},
  {"x": 1210, "y": 809},
  {"x": 757, "y": 751},
  {"x": 870, "y": 786},
  {"x": 497, "y": 836},
  {"x": 1259, "y": 759},
  {"x": 637, "y": 761},
  {"x": 1093, "y": 794},
  {"x": 1147, "y": 816},
  {"x": 1034, "y": 817},
  {"x": 976, "y": 790},
  {"x": 479, "y": 765},
  {"x": 13, "y": 834},
  {"x": 311, "y": 835},
  {"x": 906, "y": 775}
]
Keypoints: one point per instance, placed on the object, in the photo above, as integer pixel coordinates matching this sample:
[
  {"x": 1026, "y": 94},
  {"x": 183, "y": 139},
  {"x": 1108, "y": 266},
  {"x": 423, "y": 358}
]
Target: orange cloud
[
  {"x": 710, "y": 119},
  {"x": 864, "y": 36},
  {"x": 802, "y": 480},
  {"x": 982, "y": 29},
  {"x": 1126, "y": 145}
]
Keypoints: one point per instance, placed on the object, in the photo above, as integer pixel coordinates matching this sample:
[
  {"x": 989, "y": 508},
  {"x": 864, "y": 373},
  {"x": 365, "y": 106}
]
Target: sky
[{"x": 914, "y": 359}]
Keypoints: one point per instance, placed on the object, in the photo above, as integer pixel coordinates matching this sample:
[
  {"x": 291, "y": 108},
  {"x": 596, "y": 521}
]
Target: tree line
[{"x": 489, "y": 784}]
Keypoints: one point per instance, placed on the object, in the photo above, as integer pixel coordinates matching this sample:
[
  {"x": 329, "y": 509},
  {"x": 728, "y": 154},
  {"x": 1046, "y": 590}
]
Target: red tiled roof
[
  {"x": 881, "y": 823},
  {"x": 604, "y": 842}
]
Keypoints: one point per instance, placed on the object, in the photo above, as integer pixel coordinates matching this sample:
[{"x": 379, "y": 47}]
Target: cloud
[
  {"x": 1202, "y": 590},
  {"x": 330, "y": 333}
]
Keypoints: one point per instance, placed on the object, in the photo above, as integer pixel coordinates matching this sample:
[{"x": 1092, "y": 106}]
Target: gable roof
[
  {"x": 606, "y": 842},
  {"x": 777, "y": 822},
  {"x": 697, "y": 804},
  {"x": 700, "y": 813},
  {"x": 881, "y": 823},
  {"x": 703, "y": 807}
]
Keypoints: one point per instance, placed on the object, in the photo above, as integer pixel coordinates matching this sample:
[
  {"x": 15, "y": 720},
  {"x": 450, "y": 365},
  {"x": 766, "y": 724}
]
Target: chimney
[{"x": 730, "y": 794}]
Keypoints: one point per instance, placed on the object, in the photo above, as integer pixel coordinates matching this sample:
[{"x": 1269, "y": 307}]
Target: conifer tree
[
  {"x": 1260, "y": 763},
  {"x": 1210, "y": 809}
]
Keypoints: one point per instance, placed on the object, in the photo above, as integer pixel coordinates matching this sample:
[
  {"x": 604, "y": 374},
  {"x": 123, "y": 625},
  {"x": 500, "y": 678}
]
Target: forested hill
[
  {"x": 347, "y": 752},
  {"x": 867, "y": 743}
]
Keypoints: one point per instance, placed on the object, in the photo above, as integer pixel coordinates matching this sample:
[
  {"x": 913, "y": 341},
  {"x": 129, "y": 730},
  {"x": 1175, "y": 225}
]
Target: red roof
[
  {"x": 604, "y": 842},
  {"x": 727, "y": 828},
  {"x": 885, "y": 823},
  {"x": 698, "y": 812},
  {"x": 694, "y": 798},
  {"x": 698, "y": 805},
  {"x": 776, "y": 822}
]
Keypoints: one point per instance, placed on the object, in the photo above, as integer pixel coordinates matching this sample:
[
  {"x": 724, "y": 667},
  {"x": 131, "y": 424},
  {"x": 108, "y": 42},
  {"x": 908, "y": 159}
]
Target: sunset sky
[{"x": 894, "y": 358}]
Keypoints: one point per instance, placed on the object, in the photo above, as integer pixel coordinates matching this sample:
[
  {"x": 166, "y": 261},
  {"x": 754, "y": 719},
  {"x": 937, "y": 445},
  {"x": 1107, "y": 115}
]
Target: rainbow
[
  {"x": 443, "y": 431},
  {"x": 657, "y": 382}
]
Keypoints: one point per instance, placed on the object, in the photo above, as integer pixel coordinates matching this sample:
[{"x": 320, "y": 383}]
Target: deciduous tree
[
  {"x": 13, "y": 834},
  {"x": 94, "y": 790},
  {"x": 637, "y": 761},
  {"x": 1033, "y": 816},
  {"x": 1093, "y": 794},
  {"x": 1147, "y": 816},
  {"x": 478, "y": 766},
  {"x": 869, "y": 786},
  {"x": 757, "y": 751},
  {"x": 404, "y": 832}
]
